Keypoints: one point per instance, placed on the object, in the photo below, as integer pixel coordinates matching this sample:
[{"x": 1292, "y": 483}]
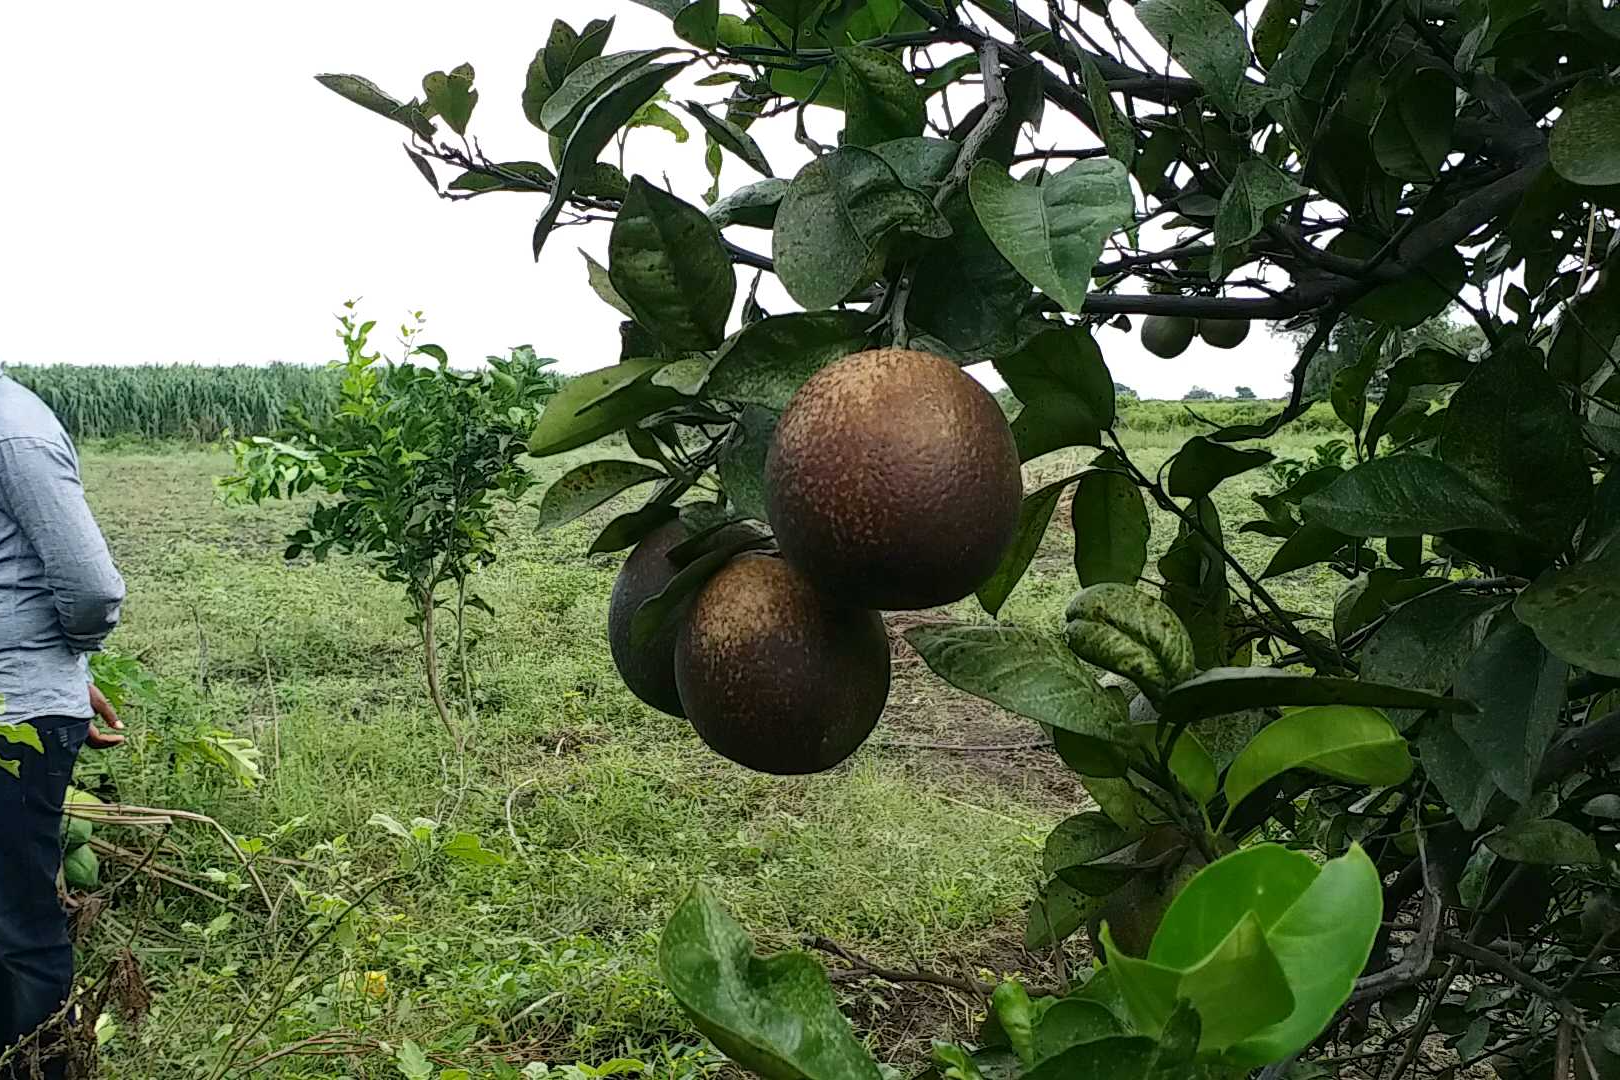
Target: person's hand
[{"x": 98, "y": 739}]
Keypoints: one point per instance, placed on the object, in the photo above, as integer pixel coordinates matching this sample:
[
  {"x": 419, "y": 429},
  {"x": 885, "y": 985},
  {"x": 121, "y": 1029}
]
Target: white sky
[{"x": 179, "y": 188}]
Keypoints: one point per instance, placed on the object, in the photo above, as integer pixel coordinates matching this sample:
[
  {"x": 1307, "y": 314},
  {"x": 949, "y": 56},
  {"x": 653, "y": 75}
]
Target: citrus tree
[{"x": 1377, "y": 830}]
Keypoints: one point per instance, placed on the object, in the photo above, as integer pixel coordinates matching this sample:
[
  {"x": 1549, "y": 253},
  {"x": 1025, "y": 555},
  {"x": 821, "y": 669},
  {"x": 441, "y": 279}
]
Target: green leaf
[
  {"x": 1510, "y": 429},
  {"x": 731, "y": 137},
  {"x": 793, "y": 13},
  {"x": 1052, "y": 233},
  {"x": 81, "y": 868},
  {"x": 1190, "y": 763},
  {"x": 467, "y": 848},
  {"x": 1081, "y": 839},
  {"x": 773, "y": 1015},
  {"x": 881, "y": 102},
  {"x": 1426, "y": 642},
  {"x": 587, "y": 83},
  {"x": 1034, "y": 515},
  {"x": 21, "y": 733},
  {"x": 1228, "y": 689},
  {"x": 1016, "y": 1014},
  {"x": 658, "y": 609},
  {"x": 769, "y": 360},
  {"x": 838, "y": 221},
  {"x": 1059, "y": 909},
  {"x": 698, "y": 23},
  {"x": 451, "y": 96},
  {"x": 754, "y": 205},
  {"x": 628, "y": 530},
  {"x": 1257, "y": 188},
  {"x": 922, "y": 163},
  {"x": 1111, "y": 528},
  {"x": 1275, "y": 29},
  {"x": 1349, "y": 391},
  {"x": 1582, "y": 147},
  {"x": 964, "y": 294},
  {"x": 666, "y": 260},
  {"x": 742, "y": 461},
  {"x": 1071, "y": 1022},
  {"x": 583, "y": 488},
  {"x": 598, "y": 402},
  {"x": 1117, "y": 134},
  {"x": 1574, "y": 611},
  {"x": 654, "y": 115},
  {"x": 12, "y": 767},
  {"x": 1545, "y": 842},
  {"x": 603, "y": 117},
  {"x": 1122, "y": 1057},
  {"x": 1205, "y": 40},
  {"x": 1316, "y": 38},
  {"x": 1310, "y": 544},
  {"x": 1518, "y": 688},
  {"x": 602, "y": 284},
  {"x": 1412, "y": 135},
  {"x": 368, "y": 95},
  {"x": 1124, "y": 630},
  {"x": 1201, "y": 465},
  {"x": 1356, "y": 745},
  {"x": 1066, "y": 388},
  {"x": 1405, "y": 495},
  {"x": 1023, "y": 671},
  {"x": 1427, "y": 291},
  {"x": 1587, "y": 331}
]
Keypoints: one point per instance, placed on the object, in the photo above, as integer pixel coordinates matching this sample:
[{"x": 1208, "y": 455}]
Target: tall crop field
[{"x": 179, "y": 401}]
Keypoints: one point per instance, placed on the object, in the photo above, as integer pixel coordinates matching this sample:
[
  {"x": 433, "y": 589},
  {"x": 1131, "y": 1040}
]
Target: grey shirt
[{"x": 59, "y": 590}]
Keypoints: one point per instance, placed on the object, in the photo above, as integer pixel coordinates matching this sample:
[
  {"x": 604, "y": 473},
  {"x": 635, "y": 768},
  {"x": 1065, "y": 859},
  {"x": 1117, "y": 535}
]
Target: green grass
[{"x": 604, "y": 811}]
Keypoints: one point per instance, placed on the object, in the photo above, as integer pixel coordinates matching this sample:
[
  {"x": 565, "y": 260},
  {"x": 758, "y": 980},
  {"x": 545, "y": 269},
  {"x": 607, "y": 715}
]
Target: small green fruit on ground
[
  {"x": 1167, "y": 335},
  {"x": 894, "y": 481},
  {"x": 775, "y": 674},
  {"x": 1223, "y": 333}
]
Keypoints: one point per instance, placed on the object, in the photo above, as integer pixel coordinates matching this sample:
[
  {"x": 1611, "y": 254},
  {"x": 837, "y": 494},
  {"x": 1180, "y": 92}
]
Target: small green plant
[{"x": 408, "y": 474}]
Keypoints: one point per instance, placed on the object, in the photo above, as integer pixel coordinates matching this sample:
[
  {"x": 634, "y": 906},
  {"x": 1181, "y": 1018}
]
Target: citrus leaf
[
  {"x": 583, "y": 86},
  {"x": 769, "y": 360},
  {"x": 881, "y": 102},
  {"x": 582, "y": 489},
  {"x": 1023, "y": 671},
  {"x": 592, "y": 405},
  {"x": 1545, "y": 842},
  {"x": 451, "y": 96},
  {"x": 754, "y": 205},
  {"x": 1082, "y": 838},
  {"x": 1053, "y": 233},
  {"x": 1229, "y": 689},
  {"x": 731, "y": 137},
  {"x": 1311, "y": 543},
  {"x": 1111, "y": 528},
  {"x": 667, "y": 262},
  {"x": 1356, "y": 745},
  {"x": 1201, "y": 465},
  {"x": 1574, "y": 611},
  {"x": 1519, "y": 689},
  {"x": 837, "y": 222},
  {"x": 1034, "y": 515},
  {"x": 1066, "y": 388},
  {"x": 773, "y": 1015},
  {"x": 1405, "y": 495},
  {"x": 1412, "y": 135},
  {"x": 1122, "y": 629},
  {"x": 1257, "y": 188},
  {"x": 698, "y": 23},
  {"x": 1203, "y": 38}
]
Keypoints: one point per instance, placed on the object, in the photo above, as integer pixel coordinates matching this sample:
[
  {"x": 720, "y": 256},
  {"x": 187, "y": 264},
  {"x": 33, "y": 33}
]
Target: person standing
[{"x": 60, "y": 596}]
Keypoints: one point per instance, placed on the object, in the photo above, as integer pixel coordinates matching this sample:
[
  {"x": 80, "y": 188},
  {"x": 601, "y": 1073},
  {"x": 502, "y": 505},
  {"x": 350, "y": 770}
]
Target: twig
[
  {"x": 111, "y": 813},
  {"x": 510, "y": 828},
  {"x": 1561, "y": 1058},
  {"x": 1501, "y": 965},
  {"x": 861, "y": 968}
]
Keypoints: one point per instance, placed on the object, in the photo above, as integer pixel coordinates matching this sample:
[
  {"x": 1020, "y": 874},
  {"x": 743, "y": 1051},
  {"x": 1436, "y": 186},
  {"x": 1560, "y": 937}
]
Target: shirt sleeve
[{"x": 41, "y": 490}]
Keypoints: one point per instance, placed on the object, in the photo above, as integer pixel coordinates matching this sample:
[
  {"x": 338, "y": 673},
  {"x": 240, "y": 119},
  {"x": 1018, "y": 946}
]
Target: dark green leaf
[
  {"x": 1224, "y": 690},
  {"x": 1356, "y": 745},
  {"x": 1412, "y": 136},
  {"x": 628, "y": 530},
  {"x": 1201, "y": 465},
  {"x": 594, "y": 404},
  {"x": 1519, "y": 691},
  {"x": 1023, "y": 671},
  {"x": 1310, "y": 544},
  {"x": 1575, "y": 612},
  {"x": 603, "y": 117},
  {"x": 655, "y": 611},
  {"x": 602, "y": 285},
  {"x": 1426, "y": 642},
  {"x": 585, "y": 487},
  {"x": 1158, "y": 154},
  {"x": 742, "y": 461},
  {"x": 769, "y": 360},
  {"x": 1205, "y": 40},
  {"x": 774, "y": 1015},
  {"x": 793, "y": 13},
  {"x": 1082, "y": 838},
  {"x": 1371, "y": 597},
  {"x": 1034, "y": 515},
  {"x": 586, "y": 84},
  {"x": 1349, "y": 391},
  {"x": 1405, "y": 495},
  {"x": 1067, "y": 391},
  {"x": 921, "y": 163},
  {"x": 1428, "y": 290},
  {"x": 964, "y": 294},
  {"x": 1546, "y": 842},
  {"x": 1117, "y": 134},
  {"x": 1111, "y": 528},
  {"x": 1069, "y": 1023},
  {"x": 1121, "y": 1057},
  {"x": 667, "y": 262},
  {"x": 1275, "y": 29},
  {"x": 1257, "y": 189},
  {"x": 1195, "y": 585},
  {"x": 731, "y": 137},
  {"x": 529, "y": 176},
  {"x": 451, "y": 96},
  {"x": 1053, "y": 233},
  {"x": 1587, "y": 331},
  {"x": 840, "y": 217},
  {"x": 881, "y": 102},
  {"x": 1056, "y": 913},
  {"x": 754, "y": 205},
  {"x": 1510, "y": 429},
  {"x": 1122, "y": 629},
  {"x": 699, "y": 24},
  {"x": 1582, "y": 148}
]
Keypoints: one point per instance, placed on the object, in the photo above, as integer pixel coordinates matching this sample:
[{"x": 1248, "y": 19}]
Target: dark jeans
[{"x": 36, "y": 954}]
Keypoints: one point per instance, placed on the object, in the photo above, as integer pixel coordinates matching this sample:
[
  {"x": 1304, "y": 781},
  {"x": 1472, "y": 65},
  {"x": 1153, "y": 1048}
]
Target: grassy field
[{"x": 602, "y": 812}]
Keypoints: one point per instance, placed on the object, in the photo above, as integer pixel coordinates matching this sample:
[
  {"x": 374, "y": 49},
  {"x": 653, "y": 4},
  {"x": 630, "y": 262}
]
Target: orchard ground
[{"x": 603, "y": 812}]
